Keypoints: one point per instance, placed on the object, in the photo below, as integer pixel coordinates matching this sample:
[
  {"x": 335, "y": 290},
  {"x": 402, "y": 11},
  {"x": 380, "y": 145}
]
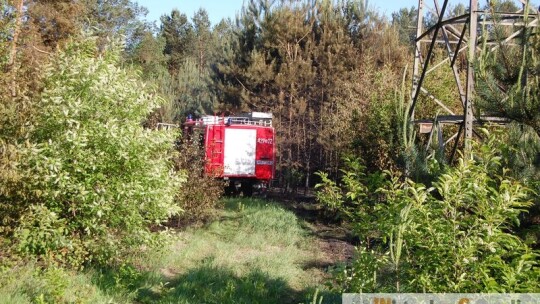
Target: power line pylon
[{"x": 459, "y": 35}]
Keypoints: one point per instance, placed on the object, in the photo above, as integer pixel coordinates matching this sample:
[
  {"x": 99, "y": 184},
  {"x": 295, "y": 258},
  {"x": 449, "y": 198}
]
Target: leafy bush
[
  {"x": 199, "y": 195},
  {"x": 457, "y": 236},
  {"x": 355, "y": 198},
  {"x": 92, "y": 179}
]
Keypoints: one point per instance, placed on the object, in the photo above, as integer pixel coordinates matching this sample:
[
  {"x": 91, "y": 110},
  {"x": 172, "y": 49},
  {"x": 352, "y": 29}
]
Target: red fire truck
[{"x": 239, "y": 149}]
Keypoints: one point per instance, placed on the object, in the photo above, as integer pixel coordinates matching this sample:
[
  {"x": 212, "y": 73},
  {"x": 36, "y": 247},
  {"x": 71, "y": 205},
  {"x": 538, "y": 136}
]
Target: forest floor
[
  {"x": 255, "y": 251},
  {"x": 334, "y": 242}
]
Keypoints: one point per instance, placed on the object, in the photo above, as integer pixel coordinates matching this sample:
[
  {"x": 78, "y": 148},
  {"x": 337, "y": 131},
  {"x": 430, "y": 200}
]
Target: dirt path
[{"x": 335, "y": 242}]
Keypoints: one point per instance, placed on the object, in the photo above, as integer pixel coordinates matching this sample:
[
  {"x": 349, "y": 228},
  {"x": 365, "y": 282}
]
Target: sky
[{"x": 218, "y": 9}]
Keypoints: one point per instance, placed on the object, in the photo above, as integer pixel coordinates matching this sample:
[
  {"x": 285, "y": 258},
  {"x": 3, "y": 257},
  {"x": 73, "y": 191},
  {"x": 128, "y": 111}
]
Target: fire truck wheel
[
  {"x": 231, "y": 191},
  {"x": 247, "y": 189}
]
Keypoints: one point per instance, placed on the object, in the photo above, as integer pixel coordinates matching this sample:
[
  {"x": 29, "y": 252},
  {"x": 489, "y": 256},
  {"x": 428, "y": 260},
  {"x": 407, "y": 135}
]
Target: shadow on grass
[
  {"x": 204, "y": 284},
  {"x": 209, "y": 284}
]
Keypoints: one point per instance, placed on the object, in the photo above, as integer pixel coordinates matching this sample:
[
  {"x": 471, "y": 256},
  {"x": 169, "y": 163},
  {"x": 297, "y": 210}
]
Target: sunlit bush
[
  {"x": 200, "y": 195},
  {"x": 92, "y": 179},
  {"x": 457, "y": 236}
]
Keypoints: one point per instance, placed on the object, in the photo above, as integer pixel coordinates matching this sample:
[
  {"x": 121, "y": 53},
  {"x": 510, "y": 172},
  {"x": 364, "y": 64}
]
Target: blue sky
[{"x": 218, "y": 9}]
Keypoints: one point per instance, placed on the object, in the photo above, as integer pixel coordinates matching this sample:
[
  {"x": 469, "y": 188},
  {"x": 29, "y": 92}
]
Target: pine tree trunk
[
  {"x": 17, "y": 30},
  {"x": 13, "y": 51}
]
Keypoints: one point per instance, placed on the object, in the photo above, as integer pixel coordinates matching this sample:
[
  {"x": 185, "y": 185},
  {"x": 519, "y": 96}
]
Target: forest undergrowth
[{"x": 255, "y": 251}]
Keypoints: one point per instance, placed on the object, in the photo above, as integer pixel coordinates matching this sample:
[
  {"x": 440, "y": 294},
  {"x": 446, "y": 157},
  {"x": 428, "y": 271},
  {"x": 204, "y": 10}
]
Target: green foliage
[
  {"x": 507, "y": 77},
  {"x": 31, "y": 284},
  {"x": 186, "y": 51},
  {"x": 353, "y": 200},
  {"x": 92, "y": 179},
  {"x": 113, "y": 18},
  {"x": 521, "y": 153},
  {"x": 410, "y": 159},
  {"x": 148, "y": 55},
  {"x": 281, "y": 51},
  {"x": 6, "y": 28},
  {"x": 457, "y": 236},
  {"x": 316, "y": 299},
  {"x": 200, "y": 195},
  {"x": 41, "y": 232},
  {"x": 192, "y": 94},
  {"x": 362, "y": 274},
  {"x": 126, "y": 277},
  {"x": 178, "y": 34},
  {"x": 405, "y": 21},
  {"x": 376, "y": 135}
]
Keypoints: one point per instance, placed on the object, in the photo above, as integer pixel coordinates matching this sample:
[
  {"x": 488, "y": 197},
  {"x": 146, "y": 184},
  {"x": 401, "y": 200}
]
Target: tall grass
[
  {"x": 256, "y": 252},
  {"x": 30, "y": 284},
  {"x": 254, "y": 239}
]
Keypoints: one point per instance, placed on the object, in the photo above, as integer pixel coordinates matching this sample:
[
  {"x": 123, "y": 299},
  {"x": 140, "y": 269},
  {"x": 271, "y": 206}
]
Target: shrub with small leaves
[
  {"x": 457, "y": 236},
  {"x": 200, "y": 195},
  {"x": 92, "y": 180}
]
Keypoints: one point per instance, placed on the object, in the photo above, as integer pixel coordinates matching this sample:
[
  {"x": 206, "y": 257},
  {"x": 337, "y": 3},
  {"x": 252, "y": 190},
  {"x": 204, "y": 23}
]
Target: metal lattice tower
[{"x": 459, "y": 37}]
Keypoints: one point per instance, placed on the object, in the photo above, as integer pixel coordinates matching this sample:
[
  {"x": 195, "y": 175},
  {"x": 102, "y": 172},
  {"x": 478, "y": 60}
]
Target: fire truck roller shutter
[{"x": 239, "y": 158}]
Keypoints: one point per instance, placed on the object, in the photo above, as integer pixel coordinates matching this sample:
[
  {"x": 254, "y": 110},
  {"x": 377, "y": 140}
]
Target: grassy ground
[{"x": 256, "y": 252}]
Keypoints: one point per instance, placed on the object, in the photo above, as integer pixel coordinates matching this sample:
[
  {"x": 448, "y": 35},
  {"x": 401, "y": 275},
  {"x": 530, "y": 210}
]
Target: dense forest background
[
  {"x": 317, "y": 66},
  {"x": 86, "y": 178}
]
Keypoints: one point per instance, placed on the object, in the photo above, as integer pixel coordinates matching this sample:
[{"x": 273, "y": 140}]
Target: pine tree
[
  {"x": 178, "y": 34},
  {"x": 508, "y": 83},
  {"x": 295, "y": 59}
]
